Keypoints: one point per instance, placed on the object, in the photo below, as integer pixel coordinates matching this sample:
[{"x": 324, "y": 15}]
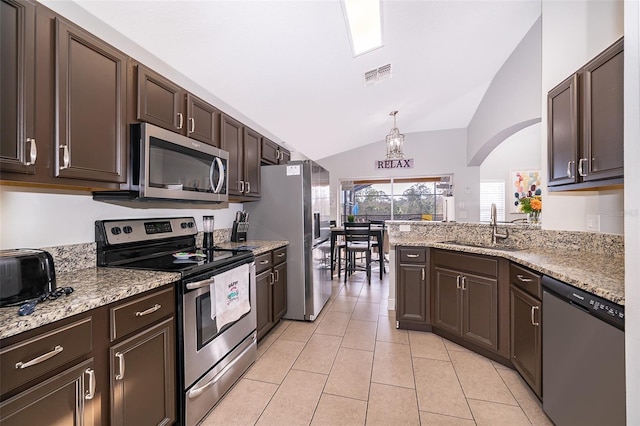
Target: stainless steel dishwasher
[{"x": 583, "y": 373}]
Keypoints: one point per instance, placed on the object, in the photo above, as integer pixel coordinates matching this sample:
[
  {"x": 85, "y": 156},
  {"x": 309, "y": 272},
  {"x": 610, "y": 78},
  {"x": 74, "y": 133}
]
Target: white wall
[
  {"x": 632, "y": 206},
  {"x": 435, "y": 153},
  {"x": 521, "y": 151},
  {"x": 512, "y": 101},
  {"x": 32, "y": 219},
  {"x": 573, "y": 33}
]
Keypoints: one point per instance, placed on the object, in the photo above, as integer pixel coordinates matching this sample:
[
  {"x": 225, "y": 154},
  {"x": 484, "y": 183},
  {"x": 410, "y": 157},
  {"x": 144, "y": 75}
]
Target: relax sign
[{"x": 395, "y": 164}]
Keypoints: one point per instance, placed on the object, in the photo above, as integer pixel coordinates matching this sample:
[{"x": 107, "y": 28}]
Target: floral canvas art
[{"x": 527, "y": 193}]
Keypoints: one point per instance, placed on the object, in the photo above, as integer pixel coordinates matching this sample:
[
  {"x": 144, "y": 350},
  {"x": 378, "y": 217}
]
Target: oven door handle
[
  {"x": 199, "y": 284},
  {"x": 195, "y": 392}
]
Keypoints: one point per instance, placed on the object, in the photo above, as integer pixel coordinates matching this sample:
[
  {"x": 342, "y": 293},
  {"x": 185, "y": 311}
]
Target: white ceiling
[{"x": 287, "y": 65}]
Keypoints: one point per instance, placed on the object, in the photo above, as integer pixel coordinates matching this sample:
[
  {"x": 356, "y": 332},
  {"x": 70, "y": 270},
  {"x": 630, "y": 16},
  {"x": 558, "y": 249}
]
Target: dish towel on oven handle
[{"x": 230, "y": 295}]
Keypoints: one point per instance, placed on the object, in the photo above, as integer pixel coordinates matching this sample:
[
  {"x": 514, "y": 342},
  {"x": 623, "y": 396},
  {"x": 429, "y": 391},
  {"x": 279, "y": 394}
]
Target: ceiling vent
[{"x": 377, "y": 75}]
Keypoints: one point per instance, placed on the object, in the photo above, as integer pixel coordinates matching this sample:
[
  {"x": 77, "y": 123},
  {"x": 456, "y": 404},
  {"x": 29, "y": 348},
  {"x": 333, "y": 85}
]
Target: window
[
  {"x": 492, "y": 192},
  {"x": 394, "y": 199}
]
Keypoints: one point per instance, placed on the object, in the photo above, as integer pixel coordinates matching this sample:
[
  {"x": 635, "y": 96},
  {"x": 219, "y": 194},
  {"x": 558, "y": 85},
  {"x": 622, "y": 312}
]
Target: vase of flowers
[{"x": 532, "y": 206}]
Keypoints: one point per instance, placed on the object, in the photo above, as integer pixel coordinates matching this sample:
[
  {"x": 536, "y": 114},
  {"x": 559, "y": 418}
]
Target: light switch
[
  {"x": 593, "y": 222},
  {"x": 462, "y": 214}
]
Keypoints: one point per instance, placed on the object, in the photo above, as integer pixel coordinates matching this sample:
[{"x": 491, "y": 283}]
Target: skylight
[{"x": 364, "y": 20}]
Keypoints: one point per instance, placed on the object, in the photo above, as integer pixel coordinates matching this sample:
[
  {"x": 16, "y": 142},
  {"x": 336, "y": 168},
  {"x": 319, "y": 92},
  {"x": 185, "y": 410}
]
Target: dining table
[{"x": 376, "y": 231}]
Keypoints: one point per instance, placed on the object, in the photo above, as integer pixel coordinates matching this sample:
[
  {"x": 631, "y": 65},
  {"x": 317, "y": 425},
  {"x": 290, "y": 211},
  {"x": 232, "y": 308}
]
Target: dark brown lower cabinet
[
  {"x": 526, "y": 337},
  {"x": 271, "y": 289},
  {"x": 64, "y": 399},
  {"x": 143, "y": 377},
  {"x": 412, "y": 288},
  {"x": 465, "y": 299}
]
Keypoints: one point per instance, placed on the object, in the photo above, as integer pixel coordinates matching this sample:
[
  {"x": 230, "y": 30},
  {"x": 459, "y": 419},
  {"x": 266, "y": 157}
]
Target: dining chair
[
  {"x": 357, "y": 240},
  {"x": 379, "y": 245}
]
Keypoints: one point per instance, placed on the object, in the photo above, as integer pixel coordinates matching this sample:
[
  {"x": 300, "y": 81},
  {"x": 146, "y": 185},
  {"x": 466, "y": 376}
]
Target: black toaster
[{"x": 25, "y": 274}]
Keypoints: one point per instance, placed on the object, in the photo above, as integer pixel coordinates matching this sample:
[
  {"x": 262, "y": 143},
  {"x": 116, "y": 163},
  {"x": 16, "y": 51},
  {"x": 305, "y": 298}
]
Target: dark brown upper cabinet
[
  {"x": 18, "y": 148},
  {"x": 167, "y": 105},
  {"x": 91, "y": 107},
  {"x": 272, "y": 153},
  {"x": 243, "y": 146},
  {"x": 585, "y": 125},
  {"x": 159, "y": 101}
]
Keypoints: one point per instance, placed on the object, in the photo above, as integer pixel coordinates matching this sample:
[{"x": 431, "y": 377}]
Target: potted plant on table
[{"x": 351, "y": 218}]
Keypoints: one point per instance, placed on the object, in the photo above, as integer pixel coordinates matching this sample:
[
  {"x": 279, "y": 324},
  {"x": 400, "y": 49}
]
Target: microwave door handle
[{"x": 218, "y": 187}]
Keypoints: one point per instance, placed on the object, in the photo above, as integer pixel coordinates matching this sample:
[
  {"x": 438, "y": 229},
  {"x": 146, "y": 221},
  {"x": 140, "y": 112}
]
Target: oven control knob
[
  {"x": 190, "y": 224},
  {"x": 127, "y": 229},
  {"x": 183, "y": 225},
  {"x": 116, "y": 230}
]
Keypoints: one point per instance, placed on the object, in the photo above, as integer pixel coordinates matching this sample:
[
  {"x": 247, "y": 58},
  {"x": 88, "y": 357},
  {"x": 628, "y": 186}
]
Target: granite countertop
[
  {"x": 95, "y": 287},
  {"x": 258, "y": 247},
  {"x": 596, "y": 273}
]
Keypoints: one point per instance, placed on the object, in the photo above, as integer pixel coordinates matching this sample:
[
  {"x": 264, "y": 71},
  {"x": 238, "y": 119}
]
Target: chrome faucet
[{"x": 495, "y": 235}]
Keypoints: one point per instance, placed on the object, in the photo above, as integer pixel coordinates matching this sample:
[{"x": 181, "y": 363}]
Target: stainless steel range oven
[{"x": 215, "y": 346}]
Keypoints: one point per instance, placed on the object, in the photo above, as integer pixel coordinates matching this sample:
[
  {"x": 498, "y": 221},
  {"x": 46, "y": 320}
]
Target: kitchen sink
[{"x": 481, "y": 245}]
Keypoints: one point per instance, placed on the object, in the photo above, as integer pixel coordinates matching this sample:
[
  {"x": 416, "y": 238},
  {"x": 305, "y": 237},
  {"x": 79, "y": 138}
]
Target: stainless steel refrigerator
[{"x": 295, "y": 206}]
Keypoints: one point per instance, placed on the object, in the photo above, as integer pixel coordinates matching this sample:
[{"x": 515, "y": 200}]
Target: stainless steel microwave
[{"x": 171, "y": 167}]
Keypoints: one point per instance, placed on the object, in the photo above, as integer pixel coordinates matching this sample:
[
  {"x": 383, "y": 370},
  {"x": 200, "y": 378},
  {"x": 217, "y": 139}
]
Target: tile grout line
[{"x": 460, "y": 384}]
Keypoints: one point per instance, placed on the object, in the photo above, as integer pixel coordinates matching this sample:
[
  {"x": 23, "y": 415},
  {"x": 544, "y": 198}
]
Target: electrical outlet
[
  {"x": 593, "y": 222},
  {"x": 462, "y": 215},
  {"x": 405, "y": 228}
]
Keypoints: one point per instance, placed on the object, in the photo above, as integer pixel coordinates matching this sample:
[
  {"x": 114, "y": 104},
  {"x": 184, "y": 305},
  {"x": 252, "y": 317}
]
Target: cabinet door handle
[
  {"x": 523, "y": 279},
  {"x": 248, "y": 187},
  {"x": 241, "y": 183},
  {"x": 422, "y": 274},
  {"x": 458, "y": 281},
  {"x": 580, "y": 169},
  {"x": 569, "y": 163},
  {"x": 277, "y": 275},
  {"x": 65, "y": 157},
  {"x": 412, "y": 255},
  {"x": 464, "y": 283},
  {"x": 192, "y": 125},
  {"x": 180, "y": 120},
  {"x": 33, "y": 152},
  {"x": 42, "y": 358},
  {"x": 120, "y": 374},
  {"x": 92, "y": 384},
  {"x": 149, "y": 311},
  {"x": 271, "y": 279},
  {"x": 533, "y": 316}
]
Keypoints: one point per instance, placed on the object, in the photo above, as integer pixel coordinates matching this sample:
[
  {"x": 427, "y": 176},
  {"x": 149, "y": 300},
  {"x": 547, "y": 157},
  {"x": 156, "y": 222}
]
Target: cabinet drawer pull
[
  {"x": 65, "y": 157},
  {"x": 422, "y": 274},
  {"x": 180, "y": 120},
  {"x": 533, "y": 316},
  {"x": 569, "y": 163},
  {"x": 580, "y": 169},
  {"x": 92, "y": 384},
  {"x": 192, "y": 125},
  {"x": 149, "y": 311},
  {"x": 264, "y": 262},
  {"x": 413, "y": 256},
  {"x": 523, "y": 279},
  {"x": 120, "y": 374},
  {"x": 37, "y": 360},
  {"x": 33, "y": 152},
  {"x": 281, "y": 254}
]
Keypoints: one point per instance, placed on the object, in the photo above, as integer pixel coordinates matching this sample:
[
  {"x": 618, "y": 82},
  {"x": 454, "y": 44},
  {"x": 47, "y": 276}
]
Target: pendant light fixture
[{"x": 395, "y": 141}]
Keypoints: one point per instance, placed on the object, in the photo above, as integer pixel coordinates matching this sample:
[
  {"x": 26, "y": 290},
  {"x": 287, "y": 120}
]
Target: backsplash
[
  {"x": 520, "y": 236},
  {"x": 74, "y": 257}
]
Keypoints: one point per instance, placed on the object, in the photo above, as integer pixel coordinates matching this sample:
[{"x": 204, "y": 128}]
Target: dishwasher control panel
[{"x": 599, "y": 307}]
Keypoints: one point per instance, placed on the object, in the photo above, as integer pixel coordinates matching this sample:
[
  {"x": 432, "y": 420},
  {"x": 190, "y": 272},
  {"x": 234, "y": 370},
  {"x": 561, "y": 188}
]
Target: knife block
[{"x": 239, "y": 232}]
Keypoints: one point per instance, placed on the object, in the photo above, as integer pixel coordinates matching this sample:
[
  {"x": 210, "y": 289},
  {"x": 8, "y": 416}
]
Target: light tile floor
[{"x": 353, "y": 367}]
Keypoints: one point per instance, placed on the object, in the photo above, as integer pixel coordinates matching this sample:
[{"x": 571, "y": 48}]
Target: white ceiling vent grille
[{"x": 377, "y": 75}]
